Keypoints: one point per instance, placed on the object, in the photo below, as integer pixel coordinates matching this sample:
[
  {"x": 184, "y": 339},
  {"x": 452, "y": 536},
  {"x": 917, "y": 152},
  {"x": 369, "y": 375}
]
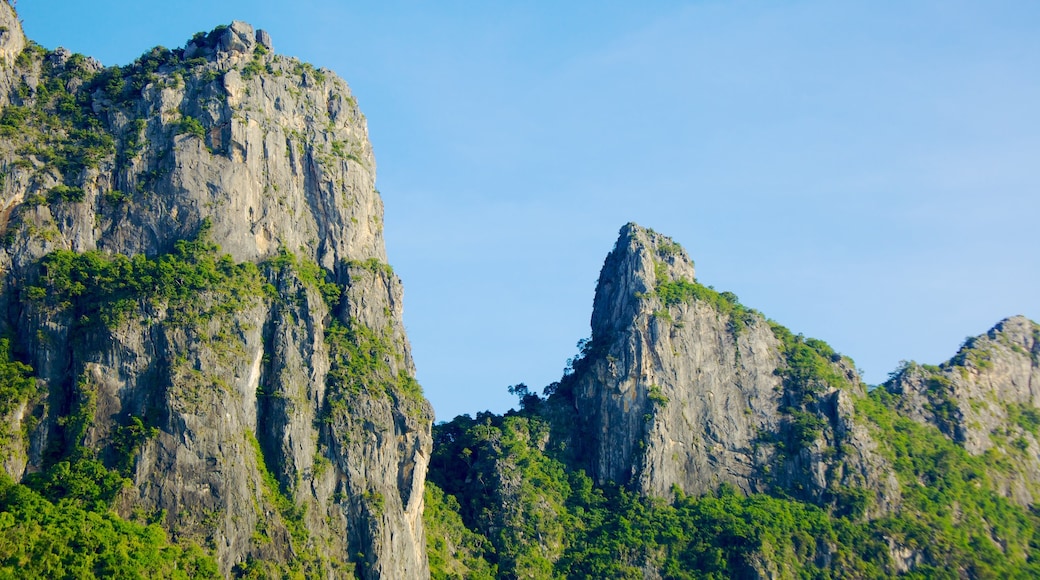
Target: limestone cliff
[
  {"x": 986, "y": 399},
  {"x": 684, "y": 386},
  {"x": 194, "y": 266}
]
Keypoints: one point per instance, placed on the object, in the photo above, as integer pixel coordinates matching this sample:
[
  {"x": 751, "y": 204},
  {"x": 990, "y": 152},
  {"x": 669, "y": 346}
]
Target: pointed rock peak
[
  {"x": 12, "y": 39},
  {"x": 665, "y": 252},
  {"x": 640, "y": 260}
]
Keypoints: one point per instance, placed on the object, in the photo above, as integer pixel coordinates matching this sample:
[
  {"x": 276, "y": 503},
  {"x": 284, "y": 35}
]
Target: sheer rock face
[
  {"x": 986, "y": 399},
  {"x": 271, "y": 156},
  {"x": 679, "y": 393},
  {"x": 675, "y": 397},
  {"x": 12, "y": 39}
]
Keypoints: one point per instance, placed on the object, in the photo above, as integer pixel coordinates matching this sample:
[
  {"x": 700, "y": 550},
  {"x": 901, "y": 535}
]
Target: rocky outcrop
[
  {"x": 263, "y": 403},
  {"x": 682, "y": 386},
  {"x": 672, "y": 396},
  {"x": 987, "y": 399},
  {"x": 12, "y": 43}
]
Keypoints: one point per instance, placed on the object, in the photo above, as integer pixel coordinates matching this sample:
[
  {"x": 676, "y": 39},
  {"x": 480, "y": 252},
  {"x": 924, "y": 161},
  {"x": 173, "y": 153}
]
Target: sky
[{"x": 865, "y": 172}]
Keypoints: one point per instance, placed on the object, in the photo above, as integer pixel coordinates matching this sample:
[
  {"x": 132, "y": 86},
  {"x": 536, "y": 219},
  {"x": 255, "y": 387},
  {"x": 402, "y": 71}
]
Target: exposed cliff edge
[{"x": 194, "y": 268}]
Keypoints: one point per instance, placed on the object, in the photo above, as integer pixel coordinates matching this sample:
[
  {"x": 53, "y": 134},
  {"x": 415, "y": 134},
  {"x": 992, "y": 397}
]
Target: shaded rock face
[
  {"x": 287, "y": 424},
  {"x": 683, "y": 387},
  {"x": 986, "y": 398}
]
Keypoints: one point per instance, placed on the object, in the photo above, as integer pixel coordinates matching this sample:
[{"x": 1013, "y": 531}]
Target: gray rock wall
[
  {"x": 686, "y": 390},
  {"x": 271, "y": 156}
]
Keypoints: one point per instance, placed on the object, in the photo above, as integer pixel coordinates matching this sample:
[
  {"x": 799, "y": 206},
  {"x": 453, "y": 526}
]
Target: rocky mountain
[
  {"x": 194, "y": 269},
  {"x": 204, "y": 373},
  {"x": 685, "y": 387},
  {"x": 687, "y": 410},
  {"x": 986, "y": 399}
]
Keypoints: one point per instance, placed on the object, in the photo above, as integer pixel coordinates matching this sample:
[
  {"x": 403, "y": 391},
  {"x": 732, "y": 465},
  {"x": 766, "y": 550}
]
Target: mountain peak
[
  {"x": 640, "y": 260},
  {"x": 238, "y": 38}
]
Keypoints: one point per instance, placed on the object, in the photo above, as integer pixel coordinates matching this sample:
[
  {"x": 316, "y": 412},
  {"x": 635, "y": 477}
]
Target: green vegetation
[
  {"x": 308, "y": 563},
  {"x": 453, "y": 549},
  {"x": 810, "y": 370},
  {"x": 951, "y": 512},
  {"x": 371, "y": 265},
  {"x": 1026, "y": 417},
  {"x": 59, "y": 524},
  {"x": 127, "y": 441},
  {"x": 535, "y": 517},
  {"x": 528, "y": 514},
  {"x": 305, "y": 69},
  {"x": 810, "y": 365},
  {"x": 673, "y": 292},
  {"x": 517, "y": 484},
  {"x": 507, "y": 488},
  {"x": 725, "y": 535},
  {"x": 65, "y": 193},
  {"x": 55, "y": 127},
  {"x": 309, "y": 273},
  {"x": 256, "y": 65},
  {"x": 360, "y": 364},
  {"x": 94, "y": 288},
  {"x": 656, "y": 396},
  {"x": 17, "y": 387},
  {"x": 191, "y": 126},
  {"x": 40, "y": 538}
]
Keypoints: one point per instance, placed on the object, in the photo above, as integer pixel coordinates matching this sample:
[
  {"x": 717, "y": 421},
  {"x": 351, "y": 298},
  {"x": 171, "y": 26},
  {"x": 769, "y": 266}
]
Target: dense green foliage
[
  {"x": 308, "y": 563},
  {"x": 454, "y": 550},
  {"x": 102, "y": 289},
  {"x": 360, "y": 362},
  {"x": 17, "y": 385},
  {"x": 59, "y": 524},
  {"x": 536, "y": 514},
  {"x": 68, "y": 539},
  {"x": 810, "y": 363},
  {"x": 673, "y": 292},
  {"x": 188, "y": 287},
  {"x": 309, "y": 273},
  {"x": 950, "y": 510},
  {"x": 55, "y": 124},
  {"x": 543, "y": 519},
  {"x": 191, "y": 126}
]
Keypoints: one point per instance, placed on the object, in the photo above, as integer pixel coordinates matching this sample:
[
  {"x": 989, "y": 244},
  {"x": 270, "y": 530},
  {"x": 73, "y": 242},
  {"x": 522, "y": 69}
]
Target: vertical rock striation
[
  {"x": 684, "y": 387},
  {"x": 194, "y": 266}
]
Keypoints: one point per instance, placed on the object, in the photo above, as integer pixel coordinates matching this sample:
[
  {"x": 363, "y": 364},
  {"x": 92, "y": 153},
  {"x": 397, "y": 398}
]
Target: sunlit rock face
[
  {"x": 283, "y": 422},
  {"x": 684, "y": 388}
]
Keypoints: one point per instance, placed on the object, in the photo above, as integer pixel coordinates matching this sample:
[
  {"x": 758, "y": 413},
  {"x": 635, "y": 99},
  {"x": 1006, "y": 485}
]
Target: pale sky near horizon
[{"x": 866, "y": 172}]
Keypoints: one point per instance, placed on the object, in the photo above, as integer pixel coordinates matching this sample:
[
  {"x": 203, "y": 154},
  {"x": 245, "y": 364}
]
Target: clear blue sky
[{"x": 864, "y": 172}]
